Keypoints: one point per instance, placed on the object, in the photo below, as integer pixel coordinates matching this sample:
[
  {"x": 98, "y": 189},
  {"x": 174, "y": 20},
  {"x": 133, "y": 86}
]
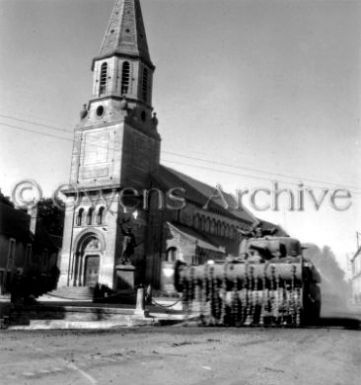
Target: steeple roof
[{"x": 125, "y": 34}]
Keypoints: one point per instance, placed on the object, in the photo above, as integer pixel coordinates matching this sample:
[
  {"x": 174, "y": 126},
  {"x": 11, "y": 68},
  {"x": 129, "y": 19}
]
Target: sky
[{"x": 247, "y": 93}]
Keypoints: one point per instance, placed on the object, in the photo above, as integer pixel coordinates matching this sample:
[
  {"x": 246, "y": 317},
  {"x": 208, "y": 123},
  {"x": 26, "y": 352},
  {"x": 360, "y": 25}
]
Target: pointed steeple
[
  {"x": 125, "y": 34},
  {"x": 123, "y": 71}
]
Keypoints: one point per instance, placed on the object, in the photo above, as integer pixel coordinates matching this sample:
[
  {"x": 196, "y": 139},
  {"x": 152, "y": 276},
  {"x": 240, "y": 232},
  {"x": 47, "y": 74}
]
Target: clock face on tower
[
  {"x": 96, "y": 154},
  {"x": 96, "y": 148}
]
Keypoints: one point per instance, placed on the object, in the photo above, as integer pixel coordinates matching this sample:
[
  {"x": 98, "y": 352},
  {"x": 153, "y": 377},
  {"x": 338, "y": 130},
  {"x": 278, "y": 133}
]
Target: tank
[{"x": 269, "y": 283}]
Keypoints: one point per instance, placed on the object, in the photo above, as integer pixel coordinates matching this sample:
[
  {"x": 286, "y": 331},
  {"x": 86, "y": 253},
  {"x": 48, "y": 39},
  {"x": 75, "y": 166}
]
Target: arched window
[
  {"x": 195, "y": 260},
  {"x": 89, "y": 219},
  {"x": 213, "y": 226},
  {"x": 79, "y": 218},
  {"x": 125, "y": 78},
  {"x": 100, "y": 216},
  {"x": 222, "y": 230},
  {"x": 171, "y": 255},
  {"x": 103, "y": 78},
  {"x": 207, "y": 225},
  {"x": 196, "y": 221},
  {"x": 145, "y": 85},
  {"x": 226, "y": 233},
  {"x": 201, "y": 223},
  {"x": 218, "y": 231}
]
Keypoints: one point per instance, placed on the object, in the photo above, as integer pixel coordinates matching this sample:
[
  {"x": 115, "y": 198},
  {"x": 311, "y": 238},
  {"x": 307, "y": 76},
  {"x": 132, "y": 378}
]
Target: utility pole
[{"x": 358, "y": 237}]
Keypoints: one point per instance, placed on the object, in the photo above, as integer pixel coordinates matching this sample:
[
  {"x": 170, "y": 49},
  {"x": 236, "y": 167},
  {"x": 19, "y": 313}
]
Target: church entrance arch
[{"x": 87, "y": 260}]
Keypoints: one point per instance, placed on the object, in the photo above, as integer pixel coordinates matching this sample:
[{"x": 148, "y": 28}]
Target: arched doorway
[
  {"x": 87, "y": 261},
  {"x": 167, "y": 271},
  {"x": 91, "y": 270}
]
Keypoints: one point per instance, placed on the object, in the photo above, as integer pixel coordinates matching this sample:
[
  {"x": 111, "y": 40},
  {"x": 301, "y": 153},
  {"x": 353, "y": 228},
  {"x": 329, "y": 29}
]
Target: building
[
  {"x": 356, "y": 276},
  {"x": 21, "y": 250},
  {"x": 121, "y": 201},
  {"x": 15, "y": 242}
]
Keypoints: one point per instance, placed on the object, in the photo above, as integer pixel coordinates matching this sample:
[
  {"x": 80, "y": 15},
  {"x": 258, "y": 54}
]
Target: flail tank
[{"x": 270, "y": 283}]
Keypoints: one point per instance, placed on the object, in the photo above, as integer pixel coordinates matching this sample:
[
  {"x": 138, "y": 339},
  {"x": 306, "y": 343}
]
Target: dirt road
[{"x": 183, "y": 355}]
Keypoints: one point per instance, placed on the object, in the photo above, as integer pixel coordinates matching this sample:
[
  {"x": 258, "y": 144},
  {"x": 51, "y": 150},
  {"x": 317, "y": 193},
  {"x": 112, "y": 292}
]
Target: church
[{"x": 125, "y": 212}]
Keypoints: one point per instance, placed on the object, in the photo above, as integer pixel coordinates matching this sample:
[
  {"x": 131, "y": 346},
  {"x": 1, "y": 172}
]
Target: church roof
[
  {"x": 125, "y": 34},
  {"x": 196, "y": 237},
  {"x": 200, "y": 193}
]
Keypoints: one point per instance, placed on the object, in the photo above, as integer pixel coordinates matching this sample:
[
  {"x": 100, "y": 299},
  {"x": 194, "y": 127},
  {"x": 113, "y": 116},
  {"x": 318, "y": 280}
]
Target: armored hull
[{"x": 270, "y": 283}]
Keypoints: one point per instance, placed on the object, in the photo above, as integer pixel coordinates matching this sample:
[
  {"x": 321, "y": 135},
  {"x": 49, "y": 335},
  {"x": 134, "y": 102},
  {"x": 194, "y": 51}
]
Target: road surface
[{"x": 183, "y": 355}]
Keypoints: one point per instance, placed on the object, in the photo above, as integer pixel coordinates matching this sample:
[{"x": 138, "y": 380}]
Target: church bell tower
[{"x": 116, "y": 146}]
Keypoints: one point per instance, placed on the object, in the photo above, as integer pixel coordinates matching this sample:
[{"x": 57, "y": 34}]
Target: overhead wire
[
  {"x": 251, "y": 176},
  {"x": 36, "y": 123},
  {"x": 35, "y": 132},
  {"x": 268, "y": 173},
  {"x": 257, "y": 170}
]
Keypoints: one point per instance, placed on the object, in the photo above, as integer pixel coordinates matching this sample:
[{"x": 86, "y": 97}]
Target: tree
[
  {"x": 5, "y": 200},
  {"x": 334, "y": 286},
  {"x": 50, "y": 217}
]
